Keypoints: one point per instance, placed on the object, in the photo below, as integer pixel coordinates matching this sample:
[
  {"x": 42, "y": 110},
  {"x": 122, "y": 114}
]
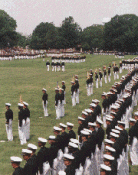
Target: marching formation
[
  {"x": 69, "y": 58},
  {"x": 55, "y": 66}
]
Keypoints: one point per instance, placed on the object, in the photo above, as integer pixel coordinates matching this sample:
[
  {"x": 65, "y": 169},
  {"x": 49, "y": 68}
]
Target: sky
[{"x": 30, "y": 13}]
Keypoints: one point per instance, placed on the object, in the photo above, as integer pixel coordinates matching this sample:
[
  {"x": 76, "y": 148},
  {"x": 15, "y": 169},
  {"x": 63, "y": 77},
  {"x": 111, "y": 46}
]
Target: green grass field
[{"x": 28, "y": 77}]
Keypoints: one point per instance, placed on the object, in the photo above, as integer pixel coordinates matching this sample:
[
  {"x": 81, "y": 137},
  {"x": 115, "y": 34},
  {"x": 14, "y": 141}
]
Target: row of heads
[{"x": 19, "y": 104}]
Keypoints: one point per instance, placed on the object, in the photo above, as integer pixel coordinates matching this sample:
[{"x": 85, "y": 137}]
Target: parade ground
[{"x": 26, "y": 78}]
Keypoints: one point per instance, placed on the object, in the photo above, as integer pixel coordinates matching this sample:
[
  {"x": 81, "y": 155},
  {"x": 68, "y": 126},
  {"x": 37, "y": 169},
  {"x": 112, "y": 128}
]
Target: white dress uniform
[
  {"x": 27, "y": 122},
  {"x": 73, "y": 95},
  {"x": 9, "y": 118},
  {"x": 45, "y": 102}
]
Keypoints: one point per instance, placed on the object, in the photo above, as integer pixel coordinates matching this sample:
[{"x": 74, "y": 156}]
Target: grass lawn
[{"x": 28, "y": 77}]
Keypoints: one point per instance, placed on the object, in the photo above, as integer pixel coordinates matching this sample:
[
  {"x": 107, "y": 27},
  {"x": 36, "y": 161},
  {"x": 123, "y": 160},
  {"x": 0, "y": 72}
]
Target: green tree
[
  {"x": 120, "y": 33},
  {"x": 69, "y": 33},
  {"x": 44, "y": 36},
  {"x": 93, "y": 36},
  {"x": 8, "y": 35}
]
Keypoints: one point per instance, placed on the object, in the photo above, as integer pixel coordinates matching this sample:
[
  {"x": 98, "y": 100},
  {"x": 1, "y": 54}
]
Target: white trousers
[
  {"x": 117, "y": 75},
  {"x": 109, "y": 78},
  {"x": 52, "y": 68},
  {"x": 63, "y": 68},
  {"x": 62, "y": 109},
  {"x": 55, "y": 68},
  {"x": 58, "y": 110},
  {"x": 9, "y": 130},
  {"x": 46, "y": 169},
  {"x": 91, "y": 88},
  {"x": 45, "y": 109},
  {"x": 27, "y": 128},
  {"x": 47, "y": 67},
  {"x": 21, "y": 131},
  {"x": 88, "y": 90},
  {"x": 97, "y": 83},
  {"x": 77, "y": 96},
  {"x": 73, "y": 99},
  {"x": 120, "y": 70},
  {"x": 101, "y": 82},
  {"x": 134, "y": 151},
  {"x": 105, "y": 79}
]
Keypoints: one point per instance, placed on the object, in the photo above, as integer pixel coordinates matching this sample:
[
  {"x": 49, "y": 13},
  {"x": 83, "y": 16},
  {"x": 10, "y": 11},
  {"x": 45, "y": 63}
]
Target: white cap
[
  {"x": 7, "y": 104},
  {"x": 109, "y": 119},
  {"x": 118, "y": 128},
  {"x": 51, "y": 137},
  {"x": 85, "y": 113},
  {"x": 114, "y": 135},
  {"x": 115, "y": 131},
  {"x": 62, "y": 125},
  {"x": 70, "y": 124},
  {"x": 85, "y": 129},
  {"x": 88, "y": 110},
  {"x": 97, "y": 101},
  {"x": 110, "y": 149},
  {"x": 114, "y": 113},
  {"x": 91, "y": 124},
  {"x": 94, "y": 100},
  {"x": 120, "y": 122},
  {"x": 74, "y": 141},
  {"x": 63, "y": 81},
  {"x": 27, "y": 151},
  {"x": 104, "y": 167},
  {"x": 99, "y": 121},
  {"x": 26, "y": 104},
  {"x": 108, "y": 141},
  {"x": 109, "y": 157},
  {"x": 42, "y": 140},
  {"x": 136, "y": 113},
  {"x": 81, "y": 118},
  {"x": 32, "y": 146},
  {"x": 84, "y": 133},
  {"x": 56, "y": 89},
  {"x": 104, "y": 94},
  {"x": 20, "y": 104},
  {"x": 109, "y": 93},
  {"x": 93, "y": 105},
  {"x": 43, "y": 89},
  {"x": 132, "y": 120},
  {"x": 114, "y": 107},
  {"x": 68, "y": 156},
  {"x": 109, "y": 116},
  {"x": 15, "y": 159},
  {"x": 73, "y": 145},
  {"x": 61, "y": 173},
  {"x": 57, "y": 128}
]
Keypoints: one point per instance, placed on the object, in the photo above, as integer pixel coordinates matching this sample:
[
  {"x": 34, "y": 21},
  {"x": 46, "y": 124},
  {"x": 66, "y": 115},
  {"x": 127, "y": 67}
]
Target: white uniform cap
[
  {"x": 25, "y": 103},
  {"x": 32, "y": 146},
  {"x": 118, "y": 128},
  {"x": 62, "y": 125},
  {"x": 84, "y": 133},
  {"x": 99, "y": 121},
  {"x": 42, "y": 140},
  {"x": 63, "y": 81},
  {"x": 74, "y": 141},
  {"x": 87, "y": 130},
  {"x": 43, "y": 89},
  {"x": 104, "y": 167},
  {"x": 80, "y": 118},
  {"x": 114, "y": 107},
  {"x": 88, "y": 110},
  {"x": 68, "y": 156},
  {"x": 122, "y": 123},
  {"x": 110, "y": 149},
  {"x": 136, "y": 113},
  {"x": 15, "y": 159},
  {"x": 20, "y": 104},
  {"x": 109, "y": 119},
  {"x": 93, "y": 105},
  {"x": 70, "y": 124},
  {"x": 56, "y": 89},
  {"x": 73, "y": 145},
  {"x": 72, "y": 81},
  {"x": 57, "y": 128},
  {"x": 108, "y": 141},
  {"x": 27, "y": 151},
  {"x": 61, "y": 173},
  {"x": 104, "y": 94},
  {"x": 109, "y": 157},
  {"x": 109, "y": 116},
  {"x": 91, "y": 124},
  {"x": 85, "y": 113},
  {"x": 61, "y": 89},
  {"x": 115, "y": 131},
  {"x": 109, "y": 93},
  {"x": 94, "y": 100},
  {"x": 97, "y": 101},
  {"x": 132, "y": 120},
  {"x": 121, "y": 100},
  {"x": 7, "y": 104},
  {"x": 114, "y": 135},
  {"x": 114, "y": 113},
  {"x": 52, "y": 137}
]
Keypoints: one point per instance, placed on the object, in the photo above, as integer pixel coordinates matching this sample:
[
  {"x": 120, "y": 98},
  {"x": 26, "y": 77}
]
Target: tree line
[{"x": 119, "y": 34}]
